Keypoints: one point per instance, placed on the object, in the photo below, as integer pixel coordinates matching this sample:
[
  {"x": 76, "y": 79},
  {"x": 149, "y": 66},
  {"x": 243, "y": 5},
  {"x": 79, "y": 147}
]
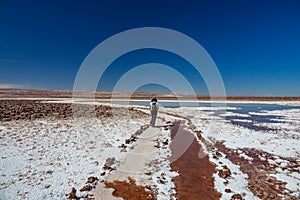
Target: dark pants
[{"x": 153, "y": 118}]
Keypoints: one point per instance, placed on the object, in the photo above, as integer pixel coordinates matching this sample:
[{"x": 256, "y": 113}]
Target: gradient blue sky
[{"x": 255, "y": 44}]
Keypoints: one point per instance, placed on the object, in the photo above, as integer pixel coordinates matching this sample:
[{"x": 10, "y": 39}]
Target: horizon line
[{"x": 157, "y": 93}]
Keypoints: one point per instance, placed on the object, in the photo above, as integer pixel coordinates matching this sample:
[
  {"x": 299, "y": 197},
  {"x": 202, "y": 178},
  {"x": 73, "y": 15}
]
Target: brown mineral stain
[
  {"x": 129, "y": 190},
  {"x": 195, "y": 180}
]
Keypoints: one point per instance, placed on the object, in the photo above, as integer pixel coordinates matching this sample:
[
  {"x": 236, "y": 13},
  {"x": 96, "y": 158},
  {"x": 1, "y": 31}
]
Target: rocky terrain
[{"x": 34, "y": 109}]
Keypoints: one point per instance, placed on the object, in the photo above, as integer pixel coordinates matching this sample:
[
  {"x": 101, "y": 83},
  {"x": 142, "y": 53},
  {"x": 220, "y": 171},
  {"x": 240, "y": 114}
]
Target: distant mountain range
[{"x": 33, "y": 93}]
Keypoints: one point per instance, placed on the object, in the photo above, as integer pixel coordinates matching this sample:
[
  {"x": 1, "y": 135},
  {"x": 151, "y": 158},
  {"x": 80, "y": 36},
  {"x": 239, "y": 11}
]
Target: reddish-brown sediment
[
  {"x": 260, "y": 183},
  {"x": 129, "y": 190},
  {"x": 195, "y": 180}
]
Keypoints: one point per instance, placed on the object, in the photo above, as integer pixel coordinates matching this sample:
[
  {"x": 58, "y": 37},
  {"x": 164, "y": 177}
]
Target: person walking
[{"x": 153, "y": 110}]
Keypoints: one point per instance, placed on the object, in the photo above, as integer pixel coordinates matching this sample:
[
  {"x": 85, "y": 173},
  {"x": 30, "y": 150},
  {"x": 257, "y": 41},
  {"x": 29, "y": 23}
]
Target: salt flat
[{"x": 45, "y": 155}]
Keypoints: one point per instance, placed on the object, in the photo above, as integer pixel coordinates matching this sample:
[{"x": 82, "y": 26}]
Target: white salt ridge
[
  {"x": 216, "y": 108},
  {"x": 234, "y": 114},
  {"x": 290, "y": 113},
  {"x": 263, "y": 113},
  {"x": 162, "y": 173},
  {"x": 165, "y": 190},
  {"x": 243, "y": 155},
  {"x": 242, "y": 120}
]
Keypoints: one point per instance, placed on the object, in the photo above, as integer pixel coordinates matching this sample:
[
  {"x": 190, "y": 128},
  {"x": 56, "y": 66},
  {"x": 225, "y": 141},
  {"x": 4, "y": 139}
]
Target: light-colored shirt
[{"x": 151, "y": 104}]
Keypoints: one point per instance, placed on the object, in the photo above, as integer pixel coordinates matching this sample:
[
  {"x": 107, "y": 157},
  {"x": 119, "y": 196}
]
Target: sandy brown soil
[
  {"x": 196, "y": 175},
  {"x": 129, "y": 190}
]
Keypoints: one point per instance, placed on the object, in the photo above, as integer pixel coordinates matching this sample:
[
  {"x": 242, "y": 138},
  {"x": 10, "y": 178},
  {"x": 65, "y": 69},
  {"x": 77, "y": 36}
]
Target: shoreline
[{"x": 115, "y": 101}]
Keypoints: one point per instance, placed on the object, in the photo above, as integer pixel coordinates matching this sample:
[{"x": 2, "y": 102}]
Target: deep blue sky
[{"x": 255, "y": 44}]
